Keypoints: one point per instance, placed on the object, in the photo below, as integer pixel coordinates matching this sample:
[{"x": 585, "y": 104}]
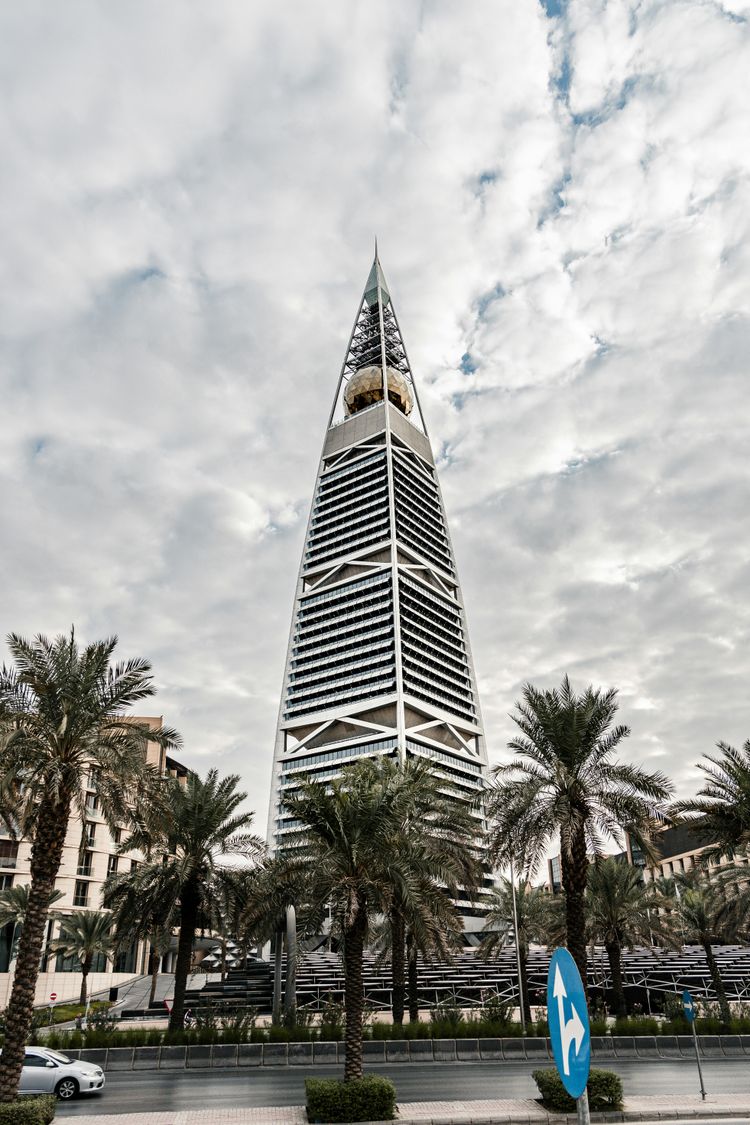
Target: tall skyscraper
[{"x": 379, "y": 659}]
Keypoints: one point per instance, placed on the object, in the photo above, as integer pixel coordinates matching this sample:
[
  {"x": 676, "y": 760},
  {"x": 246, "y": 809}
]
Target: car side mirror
[{"x": 50, "y": 1064}]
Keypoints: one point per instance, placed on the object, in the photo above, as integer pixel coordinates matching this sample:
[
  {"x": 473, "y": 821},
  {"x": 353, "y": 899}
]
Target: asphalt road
[{"x": 144, "y": 1091}]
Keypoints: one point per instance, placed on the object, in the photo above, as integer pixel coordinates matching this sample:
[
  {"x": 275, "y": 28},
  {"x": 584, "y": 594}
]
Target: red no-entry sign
[{"x": 53, "y": 996}]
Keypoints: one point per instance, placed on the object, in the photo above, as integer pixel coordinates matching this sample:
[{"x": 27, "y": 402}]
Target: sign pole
[
  {"x": 582, "y": 1108},
  {"x": 688, "y": 1007},
  {"x": 698, "y": 1060}
]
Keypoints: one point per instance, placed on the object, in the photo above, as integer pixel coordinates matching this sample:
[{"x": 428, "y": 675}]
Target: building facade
[
  {"x": 378, "y": 659},
  {"x": 89, "y": 856}
]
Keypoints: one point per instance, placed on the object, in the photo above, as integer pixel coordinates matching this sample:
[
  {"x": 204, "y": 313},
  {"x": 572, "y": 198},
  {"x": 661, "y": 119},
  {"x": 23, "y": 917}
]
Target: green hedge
[
  {"x": 371, "y": 1098},
  {"x": 604, "y": 1087},
  {"x": 28, "y": 1111}
]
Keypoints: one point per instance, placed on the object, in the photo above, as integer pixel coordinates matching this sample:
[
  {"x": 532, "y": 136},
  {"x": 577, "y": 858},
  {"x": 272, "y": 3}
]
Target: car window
[
  {"x": 35, "y": 1060},
  {"x": 58, "y": 1057}
]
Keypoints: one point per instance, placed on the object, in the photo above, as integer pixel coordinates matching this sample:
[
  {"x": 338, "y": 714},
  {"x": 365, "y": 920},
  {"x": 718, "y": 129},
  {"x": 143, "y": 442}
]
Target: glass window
[
  {"x": 112, "y": 865},
  {"x": 81, "y": 893},
  {"x": 35, "y": 1060},
  {"x": 85, "y": 860},
  {"x": 90, "y": 832},
  {"x": 8, "y": 853}
]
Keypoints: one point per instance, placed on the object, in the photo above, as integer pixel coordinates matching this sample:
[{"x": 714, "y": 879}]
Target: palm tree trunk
[
  {"x": 575, "y": 869},
  {"x": 412, "y": 978},
  {"x": 398, "y": 950},
  {"x": 614, "y": 956},
  {"x": 85, "y": 967},
  {"x": 46, "y": 856},
  {"x": 277, "y": 955},
  {"x": 523, "y": 955},
  {"x": 354, "y": 993},
  {"x": 290, "y": 990},
  {"x": 189, "y": 902},
  {"x": 153, "y": 968},
  {"x": 718, "y": 983}
]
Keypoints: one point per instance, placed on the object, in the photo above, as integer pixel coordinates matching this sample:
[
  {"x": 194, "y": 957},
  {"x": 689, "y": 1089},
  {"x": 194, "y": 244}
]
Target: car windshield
[{"x": 58, "y": 1057}]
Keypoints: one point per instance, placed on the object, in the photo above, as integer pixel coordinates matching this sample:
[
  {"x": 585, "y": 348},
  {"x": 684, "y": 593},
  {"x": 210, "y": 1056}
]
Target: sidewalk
[{"x": 499, "y": 1111}]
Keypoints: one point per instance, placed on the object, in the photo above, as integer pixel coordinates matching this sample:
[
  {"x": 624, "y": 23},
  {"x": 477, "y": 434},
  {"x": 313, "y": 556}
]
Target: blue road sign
[
  {"x": 688, "y": 1006},
  {"x": 568, "y": 1020}
]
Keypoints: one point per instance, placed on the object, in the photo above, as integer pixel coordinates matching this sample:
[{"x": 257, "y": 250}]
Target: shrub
[
  {"x": 604, "y": 1087},
  {"x": 371, "y": 1098},
  {"x": 29, "y": 1111}
]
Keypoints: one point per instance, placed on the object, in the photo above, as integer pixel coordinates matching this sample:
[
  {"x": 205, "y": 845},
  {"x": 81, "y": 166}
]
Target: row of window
[
  {"x": 348, "y": 543},
  {"x": 296, "y": 764},
  {"x": 312, "y": 607},
  {"x": 333, "y": 530},
  {"x": 359, "y": 499},
  {"x": 381, "y": 686}
]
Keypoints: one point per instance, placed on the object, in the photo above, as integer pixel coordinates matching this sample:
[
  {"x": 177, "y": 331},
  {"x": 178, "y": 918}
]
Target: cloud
[{"x": 560, "y": 193}]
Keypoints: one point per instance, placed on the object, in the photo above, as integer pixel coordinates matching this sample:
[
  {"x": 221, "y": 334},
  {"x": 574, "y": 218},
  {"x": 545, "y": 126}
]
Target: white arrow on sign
[{"x": 571, "y": 1032}]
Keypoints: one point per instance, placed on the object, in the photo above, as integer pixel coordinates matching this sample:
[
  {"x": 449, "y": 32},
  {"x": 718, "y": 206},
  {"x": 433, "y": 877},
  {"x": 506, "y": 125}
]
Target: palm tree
[
  {"x": 721, "y": 809},
  {"x": 623, "y": 911},
  {"x": 353, "y": 855},
  {"x": 62, "y": 714},
  {"x": 534, "y": 909},
  {"x": 186, "y": 837},
  {"x": 140, "y": 909},
  {"x": 14, "y": 902},
  {"x": 276, "y": 901},
  {"x": 438, "y": 826},
  {"x": 564, "y": 780},
  {"x": 712, "y": 909},
  {"x": 84, "y": 935}
]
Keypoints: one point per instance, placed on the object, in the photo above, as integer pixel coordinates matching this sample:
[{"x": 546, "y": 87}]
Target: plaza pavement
[{"x": 498, "y": 1111}]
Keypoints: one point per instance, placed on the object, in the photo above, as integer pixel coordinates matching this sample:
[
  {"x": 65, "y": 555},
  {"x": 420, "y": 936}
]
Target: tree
[
  {"x": 84, "y": 934},
  {"x": 14, "y": 902},
  {"x": 439, "y": 831},
  {"x": 354, "y": 856},
  {"x": 534, "y": 909},
  {"x": 713, "y": 908},
  {"x": 720, "y": 812},
  {"x": 61, "y": 716},
  {"x": 186, "y": 836},
  {"x": 623, "y": 911},
  {"x": 564, "y": 780},
  {"x": 141, "y": 909}
]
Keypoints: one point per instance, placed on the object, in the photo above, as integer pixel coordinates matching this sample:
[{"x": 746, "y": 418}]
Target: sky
[{"x": 561, "y": 194}]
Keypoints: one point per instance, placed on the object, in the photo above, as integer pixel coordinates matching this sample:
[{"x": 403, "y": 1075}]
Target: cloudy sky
[{"x": 189, "y": 195}]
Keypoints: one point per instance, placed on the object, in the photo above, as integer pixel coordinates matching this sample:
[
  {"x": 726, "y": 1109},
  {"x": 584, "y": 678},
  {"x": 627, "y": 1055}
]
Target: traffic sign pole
[
  {"x": 582, "y": 1109},
  {"x": 688, "y": 1007},
  {"x": 698, "y": 1060}
]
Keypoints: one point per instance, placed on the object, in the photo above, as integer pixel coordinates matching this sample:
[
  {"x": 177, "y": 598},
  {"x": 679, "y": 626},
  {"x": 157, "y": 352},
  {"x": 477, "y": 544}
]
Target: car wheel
[{"x": 66, "y": 1088}]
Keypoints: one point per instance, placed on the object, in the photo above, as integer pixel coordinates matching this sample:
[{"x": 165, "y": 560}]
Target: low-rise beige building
[{"x": 89, "y": 856}]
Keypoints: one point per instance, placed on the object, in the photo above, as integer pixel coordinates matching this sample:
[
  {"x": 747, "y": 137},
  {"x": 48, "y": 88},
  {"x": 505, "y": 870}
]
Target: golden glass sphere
[{"x": 366, "y": 388}]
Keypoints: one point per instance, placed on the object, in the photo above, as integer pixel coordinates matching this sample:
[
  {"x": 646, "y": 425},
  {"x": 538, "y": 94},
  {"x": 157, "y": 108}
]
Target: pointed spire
[{"x": 376, "y": 281}]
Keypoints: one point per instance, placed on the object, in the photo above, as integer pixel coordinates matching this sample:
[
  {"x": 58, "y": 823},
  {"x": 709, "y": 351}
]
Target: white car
[{"x": 50, "y": 1072}]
